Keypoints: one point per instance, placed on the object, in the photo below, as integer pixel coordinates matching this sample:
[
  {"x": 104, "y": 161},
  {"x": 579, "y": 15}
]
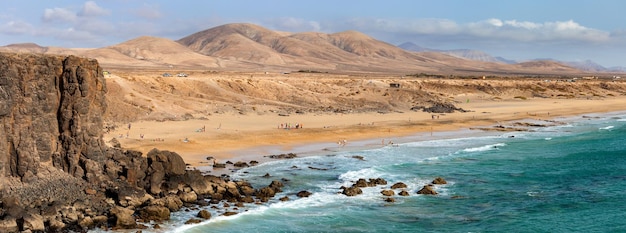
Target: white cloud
[
  {"x": 525, "y": 24},
  {"x": 91, "y": 9},
  {"x": 59, "y": 15},
  {"x": 16, "y": 28},
  {"x": 99, "y": 27},
  {"x": 494, "y": 22},
  {"x": 76, "y": 24},
  {"x": 315, "y": 25},
  {"x": 512, "y": 30},
  {"x": 292, "y": 24}
]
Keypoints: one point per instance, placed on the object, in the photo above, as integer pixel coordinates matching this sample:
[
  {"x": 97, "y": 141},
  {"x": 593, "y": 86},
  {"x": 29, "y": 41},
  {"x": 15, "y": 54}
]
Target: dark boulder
[
  {"x": 276, "y": 185},
  {"x": 304, "y": 193},
  {"x": 193, "y": 221},
  {"x": 358, "y": 157},
  {"x": 399, "y": 185},
  {"x": 265, "y": 193},
  {"x": 388, "y": 192},
  {"x": 123, "y": 217},
  {"x": 427, "y": 190},
  {"x": 163, "y": 164},
  {"x": 172, "y": 202},
  {"x": 352, "y": 191},
  {"x": 229, "y": 213},
  {"x": 283, "y": 156},
  {"x": 204, "y": 214},
  {"x": 154, "y": 213},
  {"x": 361, "y": 183},
  {"x": 377, "y": 181},
  {"x": 439, "y": 180}
]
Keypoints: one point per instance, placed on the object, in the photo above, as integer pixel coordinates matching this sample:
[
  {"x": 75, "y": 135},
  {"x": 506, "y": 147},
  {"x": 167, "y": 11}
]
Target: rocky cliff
[
  {"x": 56, "y": 173},
  {"x": 50, "y": 113}
]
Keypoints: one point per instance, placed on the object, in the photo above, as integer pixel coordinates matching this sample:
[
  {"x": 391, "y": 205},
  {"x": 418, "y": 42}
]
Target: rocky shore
[{"x": 56, "y": 172}]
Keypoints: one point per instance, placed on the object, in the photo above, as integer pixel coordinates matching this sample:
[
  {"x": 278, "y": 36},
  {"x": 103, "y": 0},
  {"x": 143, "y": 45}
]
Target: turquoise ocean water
[{"x": 568, "y": 177}]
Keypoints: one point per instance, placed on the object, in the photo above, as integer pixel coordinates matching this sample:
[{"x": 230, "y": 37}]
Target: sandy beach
[{"x": 236, "y": 137}]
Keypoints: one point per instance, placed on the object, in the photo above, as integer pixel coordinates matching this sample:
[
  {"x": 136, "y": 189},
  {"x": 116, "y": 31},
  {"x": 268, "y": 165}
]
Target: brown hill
[
  {"x": 348, "y": 51},
  {"x": 152, "y": 51},
  {"x": 249, "y": 47},
  {"x": 24, "y": 48},
  {"x": 245, "y": 42},
  {"x": 365, "y": 46},
  {"x": 545, "y": 65},
  {"x": 344, "y": 51}
]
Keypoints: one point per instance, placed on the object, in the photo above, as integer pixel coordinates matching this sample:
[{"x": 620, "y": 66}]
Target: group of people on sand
[
  {"x": 342, "y": 142},
  {"x": 290, "y": 126},
  {"x": 389, "y": 143}
]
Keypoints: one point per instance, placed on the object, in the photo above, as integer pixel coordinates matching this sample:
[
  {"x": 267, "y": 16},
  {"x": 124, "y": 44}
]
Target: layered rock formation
[
  {"x": 56, "y": 173},
  {"x": 50, "y": 126},
  {"x": 50, "y": 112}
]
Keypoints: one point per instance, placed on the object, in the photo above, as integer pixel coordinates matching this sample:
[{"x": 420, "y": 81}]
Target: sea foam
[
  {"x": 607, "y": 128},
  {"x": 484, "y": 148}
]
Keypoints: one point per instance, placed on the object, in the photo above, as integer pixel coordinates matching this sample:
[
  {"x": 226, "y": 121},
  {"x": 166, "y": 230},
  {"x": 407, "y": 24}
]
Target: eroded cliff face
[
  {"x": 50, "y": 114},
  {"x": 56, "y": 173}
]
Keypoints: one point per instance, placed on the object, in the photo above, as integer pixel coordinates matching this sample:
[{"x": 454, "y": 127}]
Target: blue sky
[{"x": 573, "y": 30}]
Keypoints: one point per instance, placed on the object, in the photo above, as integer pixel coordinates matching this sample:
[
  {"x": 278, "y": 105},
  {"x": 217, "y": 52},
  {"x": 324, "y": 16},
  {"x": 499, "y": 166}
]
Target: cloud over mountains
[
  {"x": 486, "y": 29},
  {"x": 92, "y": 24}
]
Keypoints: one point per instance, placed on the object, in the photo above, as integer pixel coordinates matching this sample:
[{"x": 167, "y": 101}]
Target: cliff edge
[
  {"x": 57, "y": 174},
  {"x": 50, "y": 113}
]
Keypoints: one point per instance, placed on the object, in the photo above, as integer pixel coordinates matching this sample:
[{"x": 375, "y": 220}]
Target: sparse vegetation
[
  {"x": 332, "y": 93},
  {"x": 311, "y": 71},
  {"x": 425, "y": 75}
]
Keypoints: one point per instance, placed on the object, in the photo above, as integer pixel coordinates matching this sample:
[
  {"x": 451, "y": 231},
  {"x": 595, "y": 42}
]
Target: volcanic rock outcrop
[{"x": 57, "y": 174}]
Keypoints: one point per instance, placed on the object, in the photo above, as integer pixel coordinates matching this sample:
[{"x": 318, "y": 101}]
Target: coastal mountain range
[
  {"x": 249, "y": 47},
  {"x": 587, "y": 65},
  {"x": 461, "y": 53}
]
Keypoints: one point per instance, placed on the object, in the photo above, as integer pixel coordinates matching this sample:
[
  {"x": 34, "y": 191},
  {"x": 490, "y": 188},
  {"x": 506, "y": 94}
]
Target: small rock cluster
[{"x": 355, "y": 189}]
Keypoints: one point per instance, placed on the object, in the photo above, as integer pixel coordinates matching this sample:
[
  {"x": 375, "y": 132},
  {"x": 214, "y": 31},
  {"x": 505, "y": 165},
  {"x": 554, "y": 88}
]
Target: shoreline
[{"x": 245, "y": 138}]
